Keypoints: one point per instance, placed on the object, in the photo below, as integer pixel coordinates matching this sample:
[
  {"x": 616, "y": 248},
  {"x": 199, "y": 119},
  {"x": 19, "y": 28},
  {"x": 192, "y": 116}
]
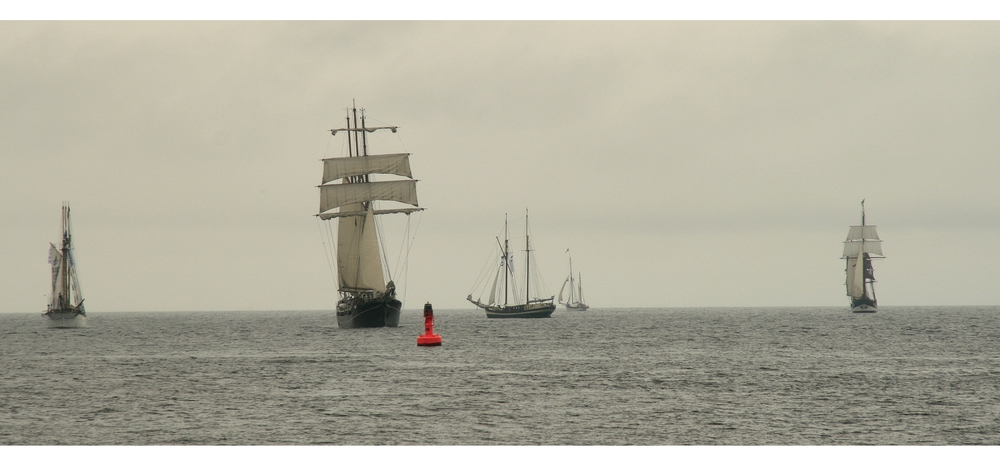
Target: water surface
[{"x": 778, "y": 376}]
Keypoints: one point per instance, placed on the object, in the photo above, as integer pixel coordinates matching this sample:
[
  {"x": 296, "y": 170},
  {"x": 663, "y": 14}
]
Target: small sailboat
[
  {"x": 349, "y": 194},
  {"x": 504, "y": 298},
  {"x": 574, "y": 301},
  {"x": 862, "y": 245},
  {"x": 65, "y": 308}
]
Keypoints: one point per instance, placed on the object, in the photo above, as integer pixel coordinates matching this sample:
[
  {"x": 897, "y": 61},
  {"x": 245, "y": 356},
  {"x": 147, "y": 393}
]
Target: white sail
[
  {"x": 862, "y": 232},
  {"x": 852, "y": 248},
  {"x": 342, "y": 167},
  {"x": 359, "y": 264},
  {"x": 493, "y": 291},
  {"x": 858, "y": 290},
  {"x": 862, "y": 236},
  {"x": 74, "y": 280},
  {"x": 339, "y": 195},
  {"x": 56, "y": 259},
  {"x": 563, "y": 288},
  {"x": 579, "y": 284}
]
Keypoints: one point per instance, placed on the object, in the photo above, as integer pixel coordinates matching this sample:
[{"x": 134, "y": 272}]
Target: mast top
[
  {"x": 354, "y": 107},
  {"x": 369, "y": 129}
]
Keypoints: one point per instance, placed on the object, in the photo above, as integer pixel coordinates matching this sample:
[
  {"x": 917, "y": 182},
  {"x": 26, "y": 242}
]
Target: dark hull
[
  {"x": 382, "y": 311},
  {"x": 533, "y": 311},
  {"x": 863, "y": 305}
]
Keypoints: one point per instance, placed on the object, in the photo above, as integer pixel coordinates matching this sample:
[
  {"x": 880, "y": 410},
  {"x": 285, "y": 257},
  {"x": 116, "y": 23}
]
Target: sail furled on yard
[{"x": 359, "y": 265}]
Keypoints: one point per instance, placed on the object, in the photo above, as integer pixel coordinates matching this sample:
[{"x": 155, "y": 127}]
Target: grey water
[{"x": 736, "y": 376}]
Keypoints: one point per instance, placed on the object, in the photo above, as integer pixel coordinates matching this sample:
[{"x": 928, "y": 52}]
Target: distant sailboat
[
  {"x": 861, "y": 246},
  {"x": 366, "y": 299},
  {"x": 575, "y": 300},
  {"x": 504, "y": 300},
  {"x": 65, "y": 308}
]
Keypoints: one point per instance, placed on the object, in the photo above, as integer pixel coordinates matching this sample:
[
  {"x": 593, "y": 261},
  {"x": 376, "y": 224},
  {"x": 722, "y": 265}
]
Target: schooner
[
  {"x": 65, "y": 308},
  {"x": 505, "y": 300},
  {"x": 574, "y": 302},
  {"x": 861, "y": 246},
  {"x": 348, "y": 196}
]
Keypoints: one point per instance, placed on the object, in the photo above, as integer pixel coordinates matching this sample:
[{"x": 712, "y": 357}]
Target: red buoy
[{"x": 429, "y": 338}]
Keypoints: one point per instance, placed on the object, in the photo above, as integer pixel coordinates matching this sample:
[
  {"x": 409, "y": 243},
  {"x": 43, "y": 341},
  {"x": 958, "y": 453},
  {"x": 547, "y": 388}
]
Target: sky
[{"x": 683, "y": 163}]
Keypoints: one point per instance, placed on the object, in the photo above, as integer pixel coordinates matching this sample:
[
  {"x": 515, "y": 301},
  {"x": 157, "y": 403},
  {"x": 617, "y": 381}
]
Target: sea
[{"x": 608, "y": 377}]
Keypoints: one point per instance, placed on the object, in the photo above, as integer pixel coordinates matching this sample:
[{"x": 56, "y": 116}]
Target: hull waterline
[
  {"x": 521, "y": 312},
  {"x": 863, "y": 305},
  {"x": 65, "y": 320},
  {"x": 863, "y": 309},
  {"x": 382, "y": 312}
]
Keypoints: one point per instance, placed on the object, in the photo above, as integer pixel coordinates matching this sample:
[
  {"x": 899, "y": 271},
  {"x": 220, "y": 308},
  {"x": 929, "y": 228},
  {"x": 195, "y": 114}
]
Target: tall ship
[
  {"x": 65, "y": 309},
  {"x": 352, "y": 198},
  {"x": 574, "y": 302},
  {"x": 505, "y": 300},
  {"x": 862, "y": 245}
]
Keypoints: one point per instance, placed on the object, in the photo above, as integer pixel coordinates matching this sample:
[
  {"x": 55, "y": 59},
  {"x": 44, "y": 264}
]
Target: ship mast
[
  {"x": 861, "y": 246},
  {"x": 506, "y": 258},
  {"x": 571, "y": 284},
  {"x": 354, "y": 196},
  {"x": 64, "y": 286},
  {"x": 863, "y": 257},
  {"x": 527, "y": 262}
]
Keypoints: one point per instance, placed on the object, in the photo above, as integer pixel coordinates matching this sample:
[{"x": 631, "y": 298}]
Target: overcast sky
[{"x": 683, "y": 163}]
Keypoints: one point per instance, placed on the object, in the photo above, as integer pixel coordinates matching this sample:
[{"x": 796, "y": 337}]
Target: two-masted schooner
[
  {"x": 861, "y": 246},
  {"x": 574, "y": 302},
  {"x": 348, "y": 195},
  {"x": 505, "y": 300},
  {"x": 65, "y": 309}
]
